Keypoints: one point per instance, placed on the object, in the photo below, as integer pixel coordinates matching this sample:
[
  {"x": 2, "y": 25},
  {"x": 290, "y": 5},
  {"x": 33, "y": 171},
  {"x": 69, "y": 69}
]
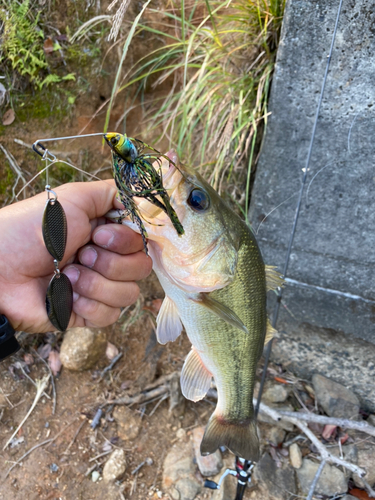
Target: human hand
[{"x": 101, "y": 259}]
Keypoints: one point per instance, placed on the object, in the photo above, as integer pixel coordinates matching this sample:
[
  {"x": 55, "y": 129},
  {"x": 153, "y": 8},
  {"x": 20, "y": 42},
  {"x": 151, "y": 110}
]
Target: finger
[
  {"x": 113, "y": 266},
  {"x": 117, "y": 238},
  {"x": 96, "y": 314},
  {"x": 92, "y": 285},
  {"x": 94, "y": 198}
]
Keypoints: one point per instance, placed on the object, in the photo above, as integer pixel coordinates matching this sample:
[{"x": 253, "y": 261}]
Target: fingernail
[
  {"x": 88, "y": 256},
  {"x": 72, "y": 273},
  {"x": 75, "y": 296},
  {"x": 104, "y": 237}
]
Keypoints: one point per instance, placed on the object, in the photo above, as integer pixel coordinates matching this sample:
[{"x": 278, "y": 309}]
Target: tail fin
[{"x": 240, "y": 438}]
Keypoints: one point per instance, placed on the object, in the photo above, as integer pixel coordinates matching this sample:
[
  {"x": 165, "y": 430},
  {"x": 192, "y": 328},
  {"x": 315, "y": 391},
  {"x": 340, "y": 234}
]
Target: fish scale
[{"x": 215, "y": 283}]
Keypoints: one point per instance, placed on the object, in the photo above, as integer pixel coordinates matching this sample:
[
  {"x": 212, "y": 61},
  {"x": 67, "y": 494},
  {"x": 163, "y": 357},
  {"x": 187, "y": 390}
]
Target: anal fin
[
  {"x": 195, "y": 378},
  {"x": 224, "y": 312},
  {"x": 168, "y": 321}
]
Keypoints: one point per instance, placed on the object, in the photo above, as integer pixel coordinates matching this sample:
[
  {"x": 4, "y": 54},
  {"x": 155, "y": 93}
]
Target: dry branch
[
  {"x": 40, "y": 386},
  {"x": 340, "y": 422}
]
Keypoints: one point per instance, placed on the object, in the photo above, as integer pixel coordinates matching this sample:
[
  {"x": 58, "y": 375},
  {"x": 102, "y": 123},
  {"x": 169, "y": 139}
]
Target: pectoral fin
[
  {"x": 169, "y": 325},
  {"x": 220, "y": 310},
  {"x": 195, "y": 378}
]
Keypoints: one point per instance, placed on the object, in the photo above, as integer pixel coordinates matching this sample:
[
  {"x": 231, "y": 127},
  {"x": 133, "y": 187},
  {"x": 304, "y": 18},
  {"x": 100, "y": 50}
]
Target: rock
[
  {"x": 115, "y": 466},
  {"x": 208, "y": 465},
  {"x": 280, "y": 483},
  {"x": 281, "y": 423},
  {"x": 276, "y": 435},
  {"x": 257, "y": 493},
  {"x": 295, "y": 456},
  {"x": 128, "y": 422},
  {"x": 331, "y": 482},
  {"x": 82, "y": 348},
  {"x": 270, "y": 434},
  {"x": 349, "y": 497},
  {"x": 371, "y": 420},
  {"x": 181, "y": 434},
  {"x": 188, "y": 488},
  {"x": 179, "y": 472},
  {"x": 366, "y": 460},
  {"x": 275, "y": 393},
  {"x": 336, "y": 400}
]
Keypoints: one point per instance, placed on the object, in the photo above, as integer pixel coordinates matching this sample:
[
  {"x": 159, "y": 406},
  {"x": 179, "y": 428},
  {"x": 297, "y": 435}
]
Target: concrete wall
[{"x": 332, "y": 266}]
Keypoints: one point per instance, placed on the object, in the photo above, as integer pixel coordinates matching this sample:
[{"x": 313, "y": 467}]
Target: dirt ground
[{"x": 59, "y": 470}]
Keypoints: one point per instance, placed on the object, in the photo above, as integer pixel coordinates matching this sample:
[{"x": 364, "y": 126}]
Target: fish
[
  {"x": 215, "y": 284},
  {"x": 135, "y": 175}
]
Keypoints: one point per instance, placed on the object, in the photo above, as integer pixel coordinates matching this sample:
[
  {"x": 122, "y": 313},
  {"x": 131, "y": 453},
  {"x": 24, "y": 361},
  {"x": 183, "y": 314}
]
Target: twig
[
  {"x": 16, "y": 169},
  {"x": 101, "y": 455},
  {"x": 32, "y": 381},
  {"x": 48, "y": 442},
  {"x": 161, "y": 380},
  {"x": 52, "y": 381},
  {"x": 74, "y": 437},
  {"x": 163, "y": 398},
  {"x": 315, "y": 480},
  {"x": 41, "y": 385},
  {"x": 340, "y": 422},
  {"x": 323, "y": 450},
  {"x": 26, "y": 454},
  {"x": 111, "y": 365},
  {"x": 139, "y": 398},
  {"x": 62, "y": 430}
]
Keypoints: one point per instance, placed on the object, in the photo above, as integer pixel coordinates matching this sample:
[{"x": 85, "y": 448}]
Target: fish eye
[{"x": 198, "y": 200}]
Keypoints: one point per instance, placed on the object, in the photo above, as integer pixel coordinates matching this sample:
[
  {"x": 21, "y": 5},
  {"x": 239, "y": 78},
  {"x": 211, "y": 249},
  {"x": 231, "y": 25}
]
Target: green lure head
[{"x": 122, "y": 145}]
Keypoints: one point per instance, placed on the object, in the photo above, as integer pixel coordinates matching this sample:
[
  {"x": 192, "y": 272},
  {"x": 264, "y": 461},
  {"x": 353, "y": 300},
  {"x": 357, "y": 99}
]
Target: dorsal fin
[
  {"x": 273, "y": 278},
  {"x": 220, "y": 310},
  {"x": 195, "y": 378},
  {"x": 168, "y": 321}
]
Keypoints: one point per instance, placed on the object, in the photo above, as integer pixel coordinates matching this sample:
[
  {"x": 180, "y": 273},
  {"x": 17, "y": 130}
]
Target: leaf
[
  {"x": 344, "y": 438},
  {"x": 54, "y": 362},
  {"x": 329, "y": 431},
  {"x": 8, "y": 117},
  {"x": 44, "y": 351},
  {"x": 48, "y": 46},
  {"x": 29, "y": 360},
  {"x": 361, "y": 494},
  {"x": 70, "y": 76}
]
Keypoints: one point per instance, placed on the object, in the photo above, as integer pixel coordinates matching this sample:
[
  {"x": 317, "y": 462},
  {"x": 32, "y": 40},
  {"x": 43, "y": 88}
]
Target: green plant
[
  {"x": 22, "y": 45},
  {"x": 217, "y": 59}
]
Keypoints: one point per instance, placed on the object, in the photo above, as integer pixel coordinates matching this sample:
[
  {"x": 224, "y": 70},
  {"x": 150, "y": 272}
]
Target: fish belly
[{"x": 228, "y": 353}]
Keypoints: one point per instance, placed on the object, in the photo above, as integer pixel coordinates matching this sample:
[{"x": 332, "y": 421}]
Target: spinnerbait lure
[{"x": 135, "y": 175}]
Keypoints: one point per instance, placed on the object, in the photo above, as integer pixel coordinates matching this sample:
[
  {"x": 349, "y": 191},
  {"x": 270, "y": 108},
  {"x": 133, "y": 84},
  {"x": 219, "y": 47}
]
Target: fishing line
[{"x": 297, "y": 212}]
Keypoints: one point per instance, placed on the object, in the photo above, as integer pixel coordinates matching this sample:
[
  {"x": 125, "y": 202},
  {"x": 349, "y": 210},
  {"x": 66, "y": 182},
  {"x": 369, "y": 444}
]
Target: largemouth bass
[{"x": 215, "y": 286}]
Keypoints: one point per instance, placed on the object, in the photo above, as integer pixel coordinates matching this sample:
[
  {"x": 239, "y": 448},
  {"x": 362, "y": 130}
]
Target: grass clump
[
  {"x": 217, "y": 59},
  {"x": 22, "y": 45}
]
